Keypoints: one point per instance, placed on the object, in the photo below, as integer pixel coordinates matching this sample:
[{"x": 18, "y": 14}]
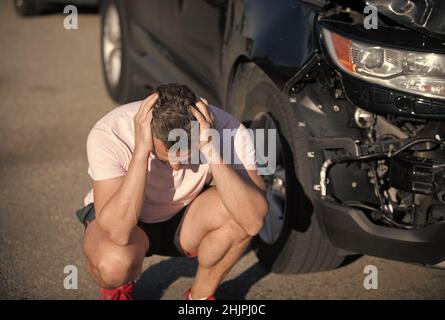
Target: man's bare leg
[
  {"x": 212, "y": 269},
  {"x": 111, "y": 265},
  {"x": 209, "y": 229}
]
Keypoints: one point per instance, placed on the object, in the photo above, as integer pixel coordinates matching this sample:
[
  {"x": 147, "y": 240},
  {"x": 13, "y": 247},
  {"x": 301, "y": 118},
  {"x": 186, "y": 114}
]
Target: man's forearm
[
  {"x": 121, "y": 213},
  {"x": 246, "y": 204}
]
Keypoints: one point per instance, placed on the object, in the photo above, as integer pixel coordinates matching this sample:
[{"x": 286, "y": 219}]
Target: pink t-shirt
[{"x": 110, "y": 146}]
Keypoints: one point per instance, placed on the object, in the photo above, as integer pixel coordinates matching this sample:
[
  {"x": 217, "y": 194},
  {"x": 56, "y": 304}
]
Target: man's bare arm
[
  {"x": 242, "y": 194},
  {"x": 118, "y": 202}
]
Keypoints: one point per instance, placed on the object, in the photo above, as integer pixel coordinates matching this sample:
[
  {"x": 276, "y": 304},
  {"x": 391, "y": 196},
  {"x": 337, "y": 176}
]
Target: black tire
[
  {"x": 126, "y": 88},
  {"x": 300, "y": 246},
  {"x": 27, "y": 7}
]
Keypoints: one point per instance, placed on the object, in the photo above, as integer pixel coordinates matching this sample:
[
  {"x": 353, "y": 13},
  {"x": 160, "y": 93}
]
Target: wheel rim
[
  {"x": 276, "y": 185},
  {"x": 112, "y": 45}
]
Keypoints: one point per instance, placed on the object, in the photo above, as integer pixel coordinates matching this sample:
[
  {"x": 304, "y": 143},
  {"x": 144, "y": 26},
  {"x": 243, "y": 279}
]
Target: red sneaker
[
  {"x": 188, "y": 296},
  {"x": 122, "y": 293}
]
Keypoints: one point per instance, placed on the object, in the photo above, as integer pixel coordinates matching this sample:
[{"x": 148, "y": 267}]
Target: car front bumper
[{"x": 349, "y": 228}]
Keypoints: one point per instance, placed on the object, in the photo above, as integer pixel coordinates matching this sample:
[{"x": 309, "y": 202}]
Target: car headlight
[{"x": 414, "y": 72}]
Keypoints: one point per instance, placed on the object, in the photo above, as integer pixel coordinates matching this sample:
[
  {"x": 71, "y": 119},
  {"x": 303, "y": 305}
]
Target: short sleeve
[
  {"x": 105, "y": 161},
  {"x": 244, "y": 146}
]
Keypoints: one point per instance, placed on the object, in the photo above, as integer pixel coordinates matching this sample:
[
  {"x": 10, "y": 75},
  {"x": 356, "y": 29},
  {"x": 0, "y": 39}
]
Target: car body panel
[{"x": 199, "y": 42}]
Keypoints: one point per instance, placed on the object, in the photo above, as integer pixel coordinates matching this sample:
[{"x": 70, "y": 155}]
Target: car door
[
  {"x": 155, "y": 17},
  {"x": 184, "y": 37},
  {"x": 201, "y": 26}
]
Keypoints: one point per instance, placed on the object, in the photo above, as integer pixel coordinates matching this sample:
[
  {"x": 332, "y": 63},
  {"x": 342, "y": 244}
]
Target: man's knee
[
  {"x": 222, "y": 241},
  {"x": 116, "y": 268}
]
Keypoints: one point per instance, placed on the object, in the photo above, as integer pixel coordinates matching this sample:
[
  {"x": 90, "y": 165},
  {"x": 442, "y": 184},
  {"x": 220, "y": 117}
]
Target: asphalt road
[{"x": 51, "y": 94}]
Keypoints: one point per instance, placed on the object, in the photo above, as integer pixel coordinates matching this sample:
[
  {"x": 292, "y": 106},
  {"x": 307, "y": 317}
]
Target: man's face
[{"x": 161, "y": 152}]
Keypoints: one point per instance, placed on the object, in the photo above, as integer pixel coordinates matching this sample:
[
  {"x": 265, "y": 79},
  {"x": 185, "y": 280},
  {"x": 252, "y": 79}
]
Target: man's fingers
[
  {"x": 150, "y": 101},
  {"x": 203, "y": 108},
  {"x": 148, "y": 116},
  {"x": 151, "y": 98},
  {"x": 198, "y": 115},
  {"x": 204, "y": 100},
  {"x": 142, "y": 108},
  {"x": 210, "y": 116},
  {"x": 147, "y": 105}
]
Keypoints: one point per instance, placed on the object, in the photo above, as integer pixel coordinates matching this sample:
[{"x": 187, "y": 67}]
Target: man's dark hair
[{"x": 172, "y": 111}]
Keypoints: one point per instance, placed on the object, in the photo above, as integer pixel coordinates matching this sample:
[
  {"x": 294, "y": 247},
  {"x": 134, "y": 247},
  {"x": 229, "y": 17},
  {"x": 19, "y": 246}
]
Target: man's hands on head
[
  {"x": 144, "y": 116},
  {"x": 142, "y": 126}
]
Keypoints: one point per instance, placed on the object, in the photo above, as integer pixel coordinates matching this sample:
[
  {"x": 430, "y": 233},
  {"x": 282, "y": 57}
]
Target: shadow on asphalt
[
  {"x": 156, "y": 279},
  {"x": 238, "y": 287}
]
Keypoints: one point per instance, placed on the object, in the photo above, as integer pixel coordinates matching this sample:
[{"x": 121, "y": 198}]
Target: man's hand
[
  {"x": 206, "y": 120},
  {"x": 142, "y": 126}
]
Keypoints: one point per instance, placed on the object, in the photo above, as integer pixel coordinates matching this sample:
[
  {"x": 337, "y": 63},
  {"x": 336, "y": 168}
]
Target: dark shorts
[{"x": 163, "y": 236}]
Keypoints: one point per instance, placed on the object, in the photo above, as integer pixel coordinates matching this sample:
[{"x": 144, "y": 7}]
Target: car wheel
[
  {"x": 290, "y": 240},
  {"x": 117, "y": 68}
]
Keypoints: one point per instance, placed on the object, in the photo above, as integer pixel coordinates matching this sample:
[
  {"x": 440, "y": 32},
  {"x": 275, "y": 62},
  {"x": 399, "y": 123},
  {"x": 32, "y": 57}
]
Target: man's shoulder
[
  {"x": 121, "y": 113},
  {"x": 117, "y": 124}
]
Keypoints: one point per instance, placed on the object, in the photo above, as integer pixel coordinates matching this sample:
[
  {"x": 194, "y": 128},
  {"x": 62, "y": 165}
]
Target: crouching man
[{"x": 149, "y": 197}]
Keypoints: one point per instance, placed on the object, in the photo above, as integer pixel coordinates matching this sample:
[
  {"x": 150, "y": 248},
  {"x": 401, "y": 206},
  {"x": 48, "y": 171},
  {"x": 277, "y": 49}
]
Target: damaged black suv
[{"x": 360, "y": 111}]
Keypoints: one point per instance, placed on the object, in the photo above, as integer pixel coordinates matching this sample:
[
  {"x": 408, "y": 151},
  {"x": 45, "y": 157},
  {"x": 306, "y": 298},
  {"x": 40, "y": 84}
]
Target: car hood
[{"x": 425, "y": 16}]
